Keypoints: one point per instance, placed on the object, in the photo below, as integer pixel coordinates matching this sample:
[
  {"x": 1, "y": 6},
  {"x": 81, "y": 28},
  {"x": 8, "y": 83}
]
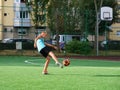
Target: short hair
[{"x": 44, "y": 32}]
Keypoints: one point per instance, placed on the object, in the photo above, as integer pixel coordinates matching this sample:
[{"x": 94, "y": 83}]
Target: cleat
[
  {"x": 44, "y": 73},
  {"x": 59, "y": 64}
]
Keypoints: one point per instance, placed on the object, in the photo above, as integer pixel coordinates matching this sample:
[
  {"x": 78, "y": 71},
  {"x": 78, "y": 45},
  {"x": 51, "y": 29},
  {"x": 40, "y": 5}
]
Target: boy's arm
[
  {"x": 35, "y": 46},
  {"x": 50, "y": 45},
  {"x": 35, "y": 40}
]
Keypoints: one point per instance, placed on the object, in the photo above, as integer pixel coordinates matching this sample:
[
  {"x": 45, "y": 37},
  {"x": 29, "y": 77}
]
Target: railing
[
  {"x": 20, "y": 6},
  {"x": 22, "y": 22}
]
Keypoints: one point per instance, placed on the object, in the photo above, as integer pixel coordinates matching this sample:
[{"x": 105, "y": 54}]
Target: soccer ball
[{"x": 66, "y": 62}]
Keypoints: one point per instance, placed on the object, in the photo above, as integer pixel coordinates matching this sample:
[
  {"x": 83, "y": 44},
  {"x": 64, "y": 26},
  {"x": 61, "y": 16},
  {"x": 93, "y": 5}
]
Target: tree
[
  {"x": 37, "y": 10},
  {"x": 68, "y": 16},
  {"x": 64, "y": 17},
  {"x": 97, "y": 22}
]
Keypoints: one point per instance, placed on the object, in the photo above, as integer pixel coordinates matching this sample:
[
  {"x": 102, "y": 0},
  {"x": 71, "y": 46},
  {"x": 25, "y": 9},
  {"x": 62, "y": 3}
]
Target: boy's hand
[
  {"x": 55, "y": 47},
  {"x": 35, "y": 46}
]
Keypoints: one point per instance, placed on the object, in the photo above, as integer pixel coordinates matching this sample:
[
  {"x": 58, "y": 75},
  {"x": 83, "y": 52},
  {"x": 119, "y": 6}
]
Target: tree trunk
[
  {"x": 57, "y": 29},
  {"x": 96, "y": 44}
]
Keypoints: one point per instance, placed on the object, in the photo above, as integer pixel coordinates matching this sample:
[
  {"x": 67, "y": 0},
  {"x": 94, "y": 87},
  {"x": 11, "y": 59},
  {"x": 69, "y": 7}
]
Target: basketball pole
[
  {"x": 97, "y": 34},
  {"x": 106, "y": 11}
]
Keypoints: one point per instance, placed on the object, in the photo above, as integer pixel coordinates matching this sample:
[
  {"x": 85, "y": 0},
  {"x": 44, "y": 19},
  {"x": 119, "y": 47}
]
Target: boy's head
[{"x": 44, "y": 34}]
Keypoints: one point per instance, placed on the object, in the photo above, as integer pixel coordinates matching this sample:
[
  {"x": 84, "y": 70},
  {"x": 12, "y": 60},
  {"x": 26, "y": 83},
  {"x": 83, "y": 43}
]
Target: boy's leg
[
  {"x": 55, "y": 59},
  {"x": 53, "y": 56},
  {"x": 46, "y": 65}
]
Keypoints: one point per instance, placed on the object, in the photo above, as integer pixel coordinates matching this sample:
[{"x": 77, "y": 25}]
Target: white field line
[{"x": 33, "y": 62}]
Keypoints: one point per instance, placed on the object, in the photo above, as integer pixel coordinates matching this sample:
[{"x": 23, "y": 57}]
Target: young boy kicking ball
[{"x": 44, "y": 49}]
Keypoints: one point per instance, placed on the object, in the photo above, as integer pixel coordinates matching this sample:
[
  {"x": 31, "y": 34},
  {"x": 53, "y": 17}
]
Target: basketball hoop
[
  {"x": 106, "y": 13},
  {"x": 107, "y": 18}
]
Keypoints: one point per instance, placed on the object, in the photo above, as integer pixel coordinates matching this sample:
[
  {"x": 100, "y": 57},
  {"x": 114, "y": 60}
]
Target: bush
[{"x": 78, "y": 47}]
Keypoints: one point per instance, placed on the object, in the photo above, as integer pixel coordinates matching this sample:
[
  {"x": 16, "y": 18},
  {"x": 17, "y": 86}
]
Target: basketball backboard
[{"x": 106, "y": 13}]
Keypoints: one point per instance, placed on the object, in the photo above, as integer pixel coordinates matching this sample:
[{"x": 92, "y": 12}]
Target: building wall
[
  {"x": 8, "y": 12},
  {"x": 12, "y": 23},
  {"x": 115, "y": 28},
  {"x": 1, "y": 34},
  {"x": 6, "y": 18},
  {"x": 115, "y": 34}
]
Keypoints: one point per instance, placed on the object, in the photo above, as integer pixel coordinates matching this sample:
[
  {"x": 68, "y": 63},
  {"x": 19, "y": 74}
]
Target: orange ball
[{"x": 66, "y": 62}]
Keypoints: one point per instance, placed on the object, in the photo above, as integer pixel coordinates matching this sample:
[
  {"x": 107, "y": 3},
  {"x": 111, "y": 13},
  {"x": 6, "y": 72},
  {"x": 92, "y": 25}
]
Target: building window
[
  {"x": 17, "y": 0},
  {"x": 22, "y": 31},
  {"x": 24, "y": 14},
  {"x": 118, "y": 33},
  {"x": 5, "y": 29},
  {"x": 22, "y": 1},
  {"x": 5, "y": 14},
  {"x": 17, "y": 14}
]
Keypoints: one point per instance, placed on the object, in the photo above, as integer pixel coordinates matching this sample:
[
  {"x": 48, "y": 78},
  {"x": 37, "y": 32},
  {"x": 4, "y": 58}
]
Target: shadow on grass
[
  {"x": 107, "y": 75},
  {"x": 85, "y": 75}
]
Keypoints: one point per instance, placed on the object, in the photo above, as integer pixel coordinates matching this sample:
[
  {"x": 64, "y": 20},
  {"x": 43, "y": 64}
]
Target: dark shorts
[{"x": 45, "y": 51}]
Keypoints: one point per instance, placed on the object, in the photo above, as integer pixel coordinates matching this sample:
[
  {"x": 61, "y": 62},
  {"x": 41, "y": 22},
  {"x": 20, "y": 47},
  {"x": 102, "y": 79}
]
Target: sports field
[{"x": 24, "y": 73}]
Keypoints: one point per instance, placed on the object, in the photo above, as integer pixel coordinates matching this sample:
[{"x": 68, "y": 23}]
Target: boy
[{"x": 44, "y": 49}]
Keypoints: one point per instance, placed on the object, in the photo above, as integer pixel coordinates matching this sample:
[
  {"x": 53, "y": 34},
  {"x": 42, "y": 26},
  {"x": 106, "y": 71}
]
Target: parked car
[{"x": 10, "y": 40}]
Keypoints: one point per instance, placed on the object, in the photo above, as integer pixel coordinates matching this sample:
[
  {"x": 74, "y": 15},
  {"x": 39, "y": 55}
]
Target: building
[
  {"x": 15, "y": 21},
  {"x": 115, "y": 33}
]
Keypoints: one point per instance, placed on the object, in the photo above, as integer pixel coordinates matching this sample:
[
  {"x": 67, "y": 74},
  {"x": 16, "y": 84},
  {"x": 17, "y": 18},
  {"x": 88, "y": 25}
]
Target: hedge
[
  {"x": 78, "y": 47},
  {"x": 12, "y": 46}
]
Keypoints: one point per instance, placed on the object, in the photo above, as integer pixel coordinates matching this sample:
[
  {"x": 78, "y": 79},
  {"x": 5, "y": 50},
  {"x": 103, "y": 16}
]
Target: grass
[{"x": 15, "y": 74}]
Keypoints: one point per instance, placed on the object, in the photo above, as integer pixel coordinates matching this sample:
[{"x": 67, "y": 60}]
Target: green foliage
[
  {"x": 78, "y": 47},
  {"x": 37, "y": 10},
  {"x": 66, "y": 16}
]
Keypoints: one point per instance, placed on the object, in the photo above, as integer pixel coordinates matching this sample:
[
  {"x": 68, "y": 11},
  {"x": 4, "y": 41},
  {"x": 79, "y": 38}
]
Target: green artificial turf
[{"x": 16, "y": 74}]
